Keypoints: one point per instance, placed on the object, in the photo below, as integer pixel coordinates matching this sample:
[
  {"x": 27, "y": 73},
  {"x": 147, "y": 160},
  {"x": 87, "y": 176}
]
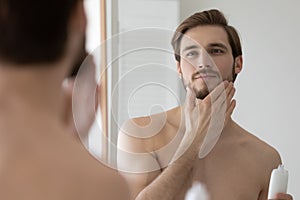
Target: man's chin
[{"x": 201, "y": 94}]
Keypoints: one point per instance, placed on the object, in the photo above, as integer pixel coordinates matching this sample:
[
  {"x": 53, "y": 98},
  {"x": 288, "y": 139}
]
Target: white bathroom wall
[
  {"x": 147, "y": 72},
  {"x": 92, "y": 8},
  {"x": 267, "y": 89}
]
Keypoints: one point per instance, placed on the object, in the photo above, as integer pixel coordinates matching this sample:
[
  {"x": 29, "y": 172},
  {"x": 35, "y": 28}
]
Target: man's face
[
  {"x": 206, "y": 59},
  {"x": 85, "y": 97}
]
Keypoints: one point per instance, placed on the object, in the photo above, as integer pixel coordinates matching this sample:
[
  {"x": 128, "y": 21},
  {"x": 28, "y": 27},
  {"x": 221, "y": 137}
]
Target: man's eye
[
  {"x": 192, "y": 54},
  {"x": 216, "y": 51}
]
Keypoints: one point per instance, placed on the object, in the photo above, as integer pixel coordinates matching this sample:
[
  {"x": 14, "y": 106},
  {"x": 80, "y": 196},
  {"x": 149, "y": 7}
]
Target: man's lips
[{"x": 204, "y": 76}]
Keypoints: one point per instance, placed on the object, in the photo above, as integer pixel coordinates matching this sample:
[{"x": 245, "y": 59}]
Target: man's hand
[
  {"x": 206, "y": 116},
  {"x": 283, "y": 196}
]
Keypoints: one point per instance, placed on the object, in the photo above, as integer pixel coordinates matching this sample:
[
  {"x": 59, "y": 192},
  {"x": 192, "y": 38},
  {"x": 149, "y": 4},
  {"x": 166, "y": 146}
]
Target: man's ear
[
  {"x": 67, "y": 88},
  {"x": 178, "y": 68},
  {"x": 238, "y": 66}
]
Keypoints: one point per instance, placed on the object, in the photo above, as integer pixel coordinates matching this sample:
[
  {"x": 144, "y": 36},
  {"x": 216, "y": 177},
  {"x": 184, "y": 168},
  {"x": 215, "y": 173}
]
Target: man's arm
[
  {"x": 144, "y": 174},
  {"x": 112, "y": 186},
  {"x": 136, "y": 164},
  {"x": 174, "y": 180}
]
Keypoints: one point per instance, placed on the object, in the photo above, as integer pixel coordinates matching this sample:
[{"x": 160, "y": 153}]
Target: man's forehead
[{"x": 203, "y": 36}]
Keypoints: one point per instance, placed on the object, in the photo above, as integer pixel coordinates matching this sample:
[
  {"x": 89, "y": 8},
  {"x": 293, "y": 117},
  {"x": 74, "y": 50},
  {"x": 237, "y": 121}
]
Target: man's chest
[{"x": 229, "y": 178}]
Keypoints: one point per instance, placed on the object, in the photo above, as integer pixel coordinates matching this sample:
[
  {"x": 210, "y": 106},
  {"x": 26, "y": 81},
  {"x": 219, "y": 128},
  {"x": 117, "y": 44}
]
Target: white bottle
[
  {"x": 197, "y": 192},
  {"x": 278, "y": 182}
]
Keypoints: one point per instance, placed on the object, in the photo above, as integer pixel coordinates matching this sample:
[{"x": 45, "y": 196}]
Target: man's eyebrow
[
  {"x": 209, "y": 45},
  {"x": 190, "y": 47},
  {"x": 218, "y": 45}
]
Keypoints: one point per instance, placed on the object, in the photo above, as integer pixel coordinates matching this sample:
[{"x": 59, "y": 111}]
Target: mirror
[{"x": 267, "y": 87}]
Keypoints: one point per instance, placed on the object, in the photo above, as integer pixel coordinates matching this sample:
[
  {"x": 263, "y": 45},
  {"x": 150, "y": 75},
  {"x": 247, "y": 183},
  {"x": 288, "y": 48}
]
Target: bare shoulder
[
  {"x": 142, "y": 133},
  {"x": 104, "y": 181},
  {"x": 137, "y": 141},
  {"x": 67, "y": 172},
  {"x": 95, "y": 178},
  {"x": 259, "y": 150},
  {"x": 132, "y": 135},
  {"x": 150, "y": 122}
]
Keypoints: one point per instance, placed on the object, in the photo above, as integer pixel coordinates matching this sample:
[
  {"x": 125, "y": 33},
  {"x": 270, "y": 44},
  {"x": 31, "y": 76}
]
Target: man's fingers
[
  {"x": 217, "y": 92},
  {"x": 225, "y": 96},
  {"x": 283, "y": 196},
  {"x": 190, "y": 98},
  {"x": 230, "y": 108},
  {"x": 230, "y": 89},
  {"x": 230, "y": 93}
]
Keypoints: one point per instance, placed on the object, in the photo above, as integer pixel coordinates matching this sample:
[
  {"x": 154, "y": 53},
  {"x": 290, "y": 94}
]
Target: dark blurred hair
[
  {"x": 34, "y": 31},
  {"x": 79, "y": 61},
  {"x": 82, "y": 55}
]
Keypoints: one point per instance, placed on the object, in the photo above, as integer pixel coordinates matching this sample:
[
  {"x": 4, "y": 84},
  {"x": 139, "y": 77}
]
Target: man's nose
[{"x": 204, "y": 60}]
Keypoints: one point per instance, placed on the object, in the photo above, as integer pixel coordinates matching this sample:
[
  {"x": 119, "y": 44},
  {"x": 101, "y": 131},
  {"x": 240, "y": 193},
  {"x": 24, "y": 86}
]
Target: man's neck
[{"x": 29, "y": 97}]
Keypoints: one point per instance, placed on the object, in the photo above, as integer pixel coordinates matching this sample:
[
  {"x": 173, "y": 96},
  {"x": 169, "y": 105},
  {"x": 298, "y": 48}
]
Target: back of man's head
[{"x": 34, "y": 31}]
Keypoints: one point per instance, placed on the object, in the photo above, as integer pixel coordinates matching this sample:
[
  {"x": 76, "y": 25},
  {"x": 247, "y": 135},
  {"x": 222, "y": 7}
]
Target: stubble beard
[
  {"x": 202, "y": 94},
  {"x": 203, "y": 91}
]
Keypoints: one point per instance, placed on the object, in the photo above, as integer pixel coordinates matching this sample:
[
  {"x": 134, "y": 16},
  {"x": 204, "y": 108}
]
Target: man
[
  {"x": 82, "y": 93},
  {"x": 163, "y": 166},
  {"x": 39, "y": 42}
]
